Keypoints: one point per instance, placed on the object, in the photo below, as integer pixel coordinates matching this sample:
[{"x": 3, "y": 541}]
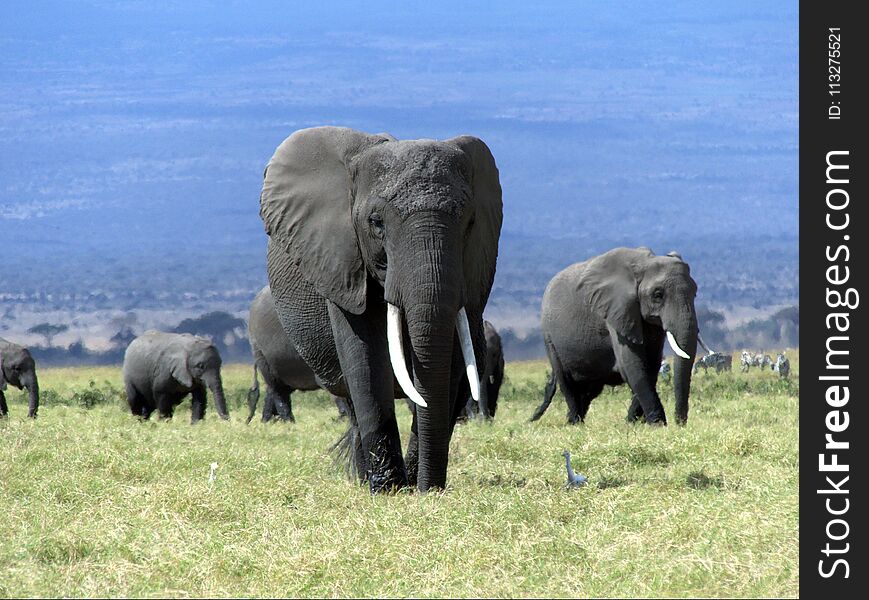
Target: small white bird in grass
[
  {"x": 212, "y": 476},
  {"x": 574, "y": 480}
]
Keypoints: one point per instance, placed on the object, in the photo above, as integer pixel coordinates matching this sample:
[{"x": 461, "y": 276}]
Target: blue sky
[{"x": 133, "y": 128}]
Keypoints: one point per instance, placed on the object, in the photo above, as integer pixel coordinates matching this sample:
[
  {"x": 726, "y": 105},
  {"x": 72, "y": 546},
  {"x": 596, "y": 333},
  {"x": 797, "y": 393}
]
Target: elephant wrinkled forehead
[
  {"x": 417, "y": 175},
  {"x": 670, "y": 271}
]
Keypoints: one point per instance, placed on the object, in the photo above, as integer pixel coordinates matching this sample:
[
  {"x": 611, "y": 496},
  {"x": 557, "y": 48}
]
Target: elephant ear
[
  {"x": 611, "y": 289},
  {"x": 305, "y": 206},
  {"x": 479, "y": 263},
  {"x": 176, "y": 357}
]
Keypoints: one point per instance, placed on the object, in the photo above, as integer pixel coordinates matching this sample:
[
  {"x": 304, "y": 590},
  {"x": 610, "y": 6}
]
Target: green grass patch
[{"x": 97, "y": 503}]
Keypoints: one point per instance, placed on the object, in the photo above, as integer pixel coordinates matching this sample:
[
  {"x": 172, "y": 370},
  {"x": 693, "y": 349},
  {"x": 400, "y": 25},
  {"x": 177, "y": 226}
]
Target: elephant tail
[
  {"x": 547, "y": 397},
  {"x": 253, "y": 395},
  {"x": 347, "y": 453}
]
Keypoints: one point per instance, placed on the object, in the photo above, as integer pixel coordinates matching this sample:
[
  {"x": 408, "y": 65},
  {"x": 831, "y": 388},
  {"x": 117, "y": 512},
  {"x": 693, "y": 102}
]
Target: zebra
[
  {"x": 782, "y": 365},
  {"x": 748, "y": 360},
  {"x": 718, "y": 360},
  {"x": 664, "y": 372}
]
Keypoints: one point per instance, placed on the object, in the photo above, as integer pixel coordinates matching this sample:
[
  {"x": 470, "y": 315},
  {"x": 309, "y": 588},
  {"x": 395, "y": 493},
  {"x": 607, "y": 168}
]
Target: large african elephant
[
  {"x": 493, "y": 376},
  {"x": 17, "y": 368},
  {"x": 282, "y": 368},
  {"x": 160, "y": 369},
  {"x": 604, "y": 322},
  {"x": 379, "y": 251}
]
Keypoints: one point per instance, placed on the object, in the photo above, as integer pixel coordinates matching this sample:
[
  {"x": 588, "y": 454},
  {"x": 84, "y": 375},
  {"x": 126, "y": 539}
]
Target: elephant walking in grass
[
  {"x": 283, "y": 370},
  {"x": 493, "y": 377},
  {"x": 381, "y": 257},
  {"x": 605, "y": 321},
  {"x": 161, "y": 369},
  {"x": 18, "y": 369}
]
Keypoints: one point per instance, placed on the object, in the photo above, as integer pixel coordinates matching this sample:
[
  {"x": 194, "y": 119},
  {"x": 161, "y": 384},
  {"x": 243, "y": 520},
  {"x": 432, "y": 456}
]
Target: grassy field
[{"x": 96, "y": 503}]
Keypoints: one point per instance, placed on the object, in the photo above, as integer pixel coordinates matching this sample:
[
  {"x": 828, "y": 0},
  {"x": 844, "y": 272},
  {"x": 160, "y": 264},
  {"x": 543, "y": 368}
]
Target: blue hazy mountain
[{"x": 133, "y": 135}]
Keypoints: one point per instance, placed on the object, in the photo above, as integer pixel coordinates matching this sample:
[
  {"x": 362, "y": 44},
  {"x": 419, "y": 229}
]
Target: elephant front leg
[
  {"x": 411, "y": 458},
  {"x": 362, "y": 352},
  {"x": 4, "y": 409},
  {"x": 635, "y": 411},
  {"x": 197, "y": 403},
  {"x": 633, "y": 367}
]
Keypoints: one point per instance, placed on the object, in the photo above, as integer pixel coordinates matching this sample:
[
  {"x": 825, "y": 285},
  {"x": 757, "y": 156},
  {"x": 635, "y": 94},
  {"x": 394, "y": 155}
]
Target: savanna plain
[{"x": 98, "y": 503}]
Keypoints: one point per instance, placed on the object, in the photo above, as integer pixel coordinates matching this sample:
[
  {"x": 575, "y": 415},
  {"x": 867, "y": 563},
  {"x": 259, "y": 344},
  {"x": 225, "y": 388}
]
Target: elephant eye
[
  {"x": 658, "y": 294},
  {"x": 376, "y": 223}
]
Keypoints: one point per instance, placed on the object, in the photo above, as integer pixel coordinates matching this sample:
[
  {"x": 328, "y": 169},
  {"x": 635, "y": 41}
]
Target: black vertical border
[{"x": 819, "y": 135}]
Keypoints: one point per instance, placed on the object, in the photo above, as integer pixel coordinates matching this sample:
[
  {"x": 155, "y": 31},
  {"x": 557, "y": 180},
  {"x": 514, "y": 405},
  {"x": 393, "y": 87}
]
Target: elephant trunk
[
  {"x": 684, "y": 333},
  {"x": 431, "y": 332},
  {"x": 215, "y": 384},
  {"x": 432, "y": 306},
  {"x": 33, "y": 393}
]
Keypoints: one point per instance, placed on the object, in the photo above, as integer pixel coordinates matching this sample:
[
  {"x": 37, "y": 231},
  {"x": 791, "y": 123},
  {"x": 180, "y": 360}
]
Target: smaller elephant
[
  {"x": 605, "y": 322},
  {"x": 17, "y": 368},
  {"x": 492, "y": 378},
  {"x": 283, "y": 370},
  {"x": 160, "y": 369}
]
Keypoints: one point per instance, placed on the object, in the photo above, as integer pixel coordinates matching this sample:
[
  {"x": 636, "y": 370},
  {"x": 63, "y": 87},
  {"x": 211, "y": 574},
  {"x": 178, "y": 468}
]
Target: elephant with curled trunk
[
  {"x": 18, "y": 369},
  {"x": 283, "y": 370},
  {"x": 381, "y": 257},
  {"x": 605, "y": 321},
  {"x": 161, "y": 369},
  {"x": 493, "y": 377}
]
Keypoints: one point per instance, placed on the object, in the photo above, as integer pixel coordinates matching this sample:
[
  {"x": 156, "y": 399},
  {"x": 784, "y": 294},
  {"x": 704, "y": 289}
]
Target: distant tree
[
  {"x": 48, "y": 331},
  {"x": 223, "y": 329},
  {"x": 123, "y": 337}
]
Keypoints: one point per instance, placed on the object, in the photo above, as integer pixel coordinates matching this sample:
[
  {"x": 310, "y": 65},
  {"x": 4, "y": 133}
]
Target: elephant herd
[{"x": 381, "y": 258}]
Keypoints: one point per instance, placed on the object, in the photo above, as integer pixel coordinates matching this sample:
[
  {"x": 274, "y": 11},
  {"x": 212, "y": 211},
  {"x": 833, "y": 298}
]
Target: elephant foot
[
  {"x": 657, "y": 422},
  {"x": 385, "y": 470}
]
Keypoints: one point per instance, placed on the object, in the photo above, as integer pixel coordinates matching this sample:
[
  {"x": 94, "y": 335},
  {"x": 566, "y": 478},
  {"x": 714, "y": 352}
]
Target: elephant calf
[
  {"x": 282, "y": 368},
  {"x": 605, "y": 321},
  {"x": 492, "y": 377},
  {"x": 160, "y": 369},
  {"x": 18, "y": 369}
]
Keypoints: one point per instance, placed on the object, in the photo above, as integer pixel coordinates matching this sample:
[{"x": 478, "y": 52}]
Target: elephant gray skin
[
  {"x": 381, "y": 257},
  {"x": 605, "y": 321},
  {"x": 160, "y": 369},
  {"x": 17, "y": 368},
  {"x": 493, "y": 377},
  {"x": 283, "y": 370}
]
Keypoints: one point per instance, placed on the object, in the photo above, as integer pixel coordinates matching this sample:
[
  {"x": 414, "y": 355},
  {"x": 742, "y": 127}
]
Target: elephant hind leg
[
  {"x": 137, "y": 401},
  {"x": 165, "y": 405},
  {"x": 587, "y": 392},
  {"x": 279, "y": 403}
]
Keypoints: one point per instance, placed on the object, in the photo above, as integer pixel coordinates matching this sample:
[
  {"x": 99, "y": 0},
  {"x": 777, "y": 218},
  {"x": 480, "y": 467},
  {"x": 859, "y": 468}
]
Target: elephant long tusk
[
  {"x": 396, "y": 354},
  {"x": 705, "y": 347},
  {"x": 464, "y": 330},
  {"x": 675, "y": 346}
]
